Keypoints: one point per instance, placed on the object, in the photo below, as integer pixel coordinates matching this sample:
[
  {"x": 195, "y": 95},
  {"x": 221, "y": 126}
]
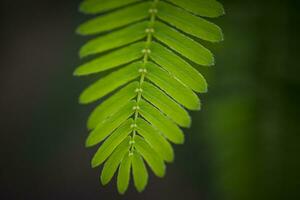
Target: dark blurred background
[{"x": 244, "y": 144}]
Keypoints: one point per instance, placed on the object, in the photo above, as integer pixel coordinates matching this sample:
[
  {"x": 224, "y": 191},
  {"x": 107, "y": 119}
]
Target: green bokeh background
[{"x": 244, "y": 144}]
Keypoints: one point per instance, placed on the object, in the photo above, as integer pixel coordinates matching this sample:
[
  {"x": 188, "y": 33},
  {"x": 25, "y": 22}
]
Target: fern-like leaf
[{"x": 147, "y": 47}]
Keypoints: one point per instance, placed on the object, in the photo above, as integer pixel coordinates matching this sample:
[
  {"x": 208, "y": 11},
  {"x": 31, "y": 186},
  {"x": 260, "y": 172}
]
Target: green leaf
[
  {"x": 173, "y": 87},
  {"x": 155, "y": 139},
  {"x": 115, "y": 19},
  {"x": 114, "y": 40},
  {"x": 184, "y": 45},
  {"x": 109, "y": 61},
  {"x": 113, "y": 104},
  {"x": 148, "y": 49},
  {"x": 110, "y": 83},
  {"x": 161, "y": 122},
  {"x": 105, "y": 128},
  {"x": 189, "y": 23},
  {"x": 98, "y": 6},
  {"x": 111, "y": 143},
  {"x": 205, "y": 8},
  {"x": 111, "y": 165},
  {"x": 140, "y": 174},
  {"x": 167, "y": 105},
  {"x": 152, "y": 158},
  {"x": 124, "y": 174},
  {"x": 178, "y": 67}
]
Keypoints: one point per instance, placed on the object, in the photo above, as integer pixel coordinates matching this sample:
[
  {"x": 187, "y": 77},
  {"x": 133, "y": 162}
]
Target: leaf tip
[
  {"x": 89, "y": 142},
  {"x": 94, "y": 164},
  {"x": 79, "y": 31},
  {"x": 222, "y": 37},
  {"x": 171, "y": 159},
  {"x": 82, "y": 100},
  {"x": 83, "y": 53},
  {"x": 76, "y": 72},
  {"x": 104, "y": 181},
  {"x": 81, "y": 7},
  {"x": 140, "y": 189},
  {"x": 161, "y": 174},
  {"x": 220, "y": 11},
  {"x": 223, "y": 12},
  {"x": 181, "y": 140},
  {"x": 90, "y": 124},
  {"x": 197, "y": 107},
  {"x": 188, "y": 123},
  {"x": 212, "y": 61},
  {"x": 121, "y": 191}
]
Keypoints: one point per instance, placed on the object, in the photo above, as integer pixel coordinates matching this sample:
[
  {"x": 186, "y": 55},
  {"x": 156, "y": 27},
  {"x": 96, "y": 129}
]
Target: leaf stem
[{"x": 146, "y": 51}]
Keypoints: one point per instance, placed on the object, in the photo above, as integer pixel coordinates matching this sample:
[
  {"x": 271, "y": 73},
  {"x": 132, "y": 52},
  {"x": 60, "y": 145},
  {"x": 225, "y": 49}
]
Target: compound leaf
[{"x": 147, "y": 49}]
